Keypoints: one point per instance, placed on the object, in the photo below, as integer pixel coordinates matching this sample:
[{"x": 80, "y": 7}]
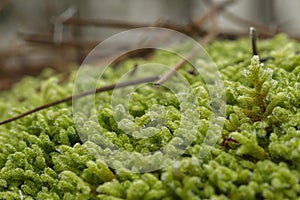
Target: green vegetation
[{"x": 42, "y": 156}]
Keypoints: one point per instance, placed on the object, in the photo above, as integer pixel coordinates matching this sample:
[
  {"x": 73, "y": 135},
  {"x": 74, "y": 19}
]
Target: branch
[
  {"x": 48, "y": 39},
  {"x": 80, "y": 95},
  {"x": 80, "y": 21},
  {"x": 206, "y": 40},
  {"x": 198, "y": 22},
  {"x": 263, "y": 29}
]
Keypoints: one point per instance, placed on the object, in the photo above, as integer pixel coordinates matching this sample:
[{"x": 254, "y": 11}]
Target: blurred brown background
[{"x": 36, "y": 34}]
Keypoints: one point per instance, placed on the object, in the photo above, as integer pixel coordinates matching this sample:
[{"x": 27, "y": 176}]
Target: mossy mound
[{"x": 257, "y": 157}]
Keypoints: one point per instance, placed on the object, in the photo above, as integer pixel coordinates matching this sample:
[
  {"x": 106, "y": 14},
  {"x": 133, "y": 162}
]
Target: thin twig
[
  {"x": 48, "y": 39},
  {"x": 253, "y": 40},
  {"x": 263, "y": 29},
  {"x": 176, "y": 67},
  {"x": 80, "y": 95},
  {"x": 183, "y": 61},
  {"x": 198, "y": 22},
  {"x": 206, "y": 40}
]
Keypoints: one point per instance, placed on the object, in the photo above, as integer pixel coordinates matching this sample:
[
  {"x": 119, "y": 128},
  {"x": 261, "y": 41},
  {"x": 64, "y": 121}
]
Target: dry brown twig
[
  {"x": 216, "y": 9},
  {"x": 47, "y": 39},
  {"x": 180, "y": 64},
  {"x": 206, "y": 40},
  {"x": 263, "y": 29},
  {"x": 253, "y": 40},
  {"x": 83, "y": 94}
]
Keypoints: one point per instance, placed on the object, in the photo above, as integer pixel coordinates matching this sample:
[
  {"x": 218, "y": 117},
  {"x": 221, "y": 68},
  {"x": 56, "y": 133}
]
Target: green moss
[{"x": 43, "y": 157}]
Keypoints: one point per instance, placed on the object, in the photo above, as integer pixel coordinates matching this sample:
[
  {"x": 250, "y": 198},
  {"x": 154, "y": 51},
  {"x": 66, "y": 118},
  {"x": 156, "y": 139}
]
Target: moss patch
[{"x": 42, "y": 156}]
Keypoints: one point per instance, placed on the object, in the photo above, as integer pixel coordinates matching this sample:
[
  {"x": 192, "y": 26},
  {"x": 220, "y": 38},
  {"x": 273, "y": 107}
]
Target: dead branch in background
[
  {"x": 216, "y": 9},
  {"x": 263, "y": 29},
  {"x": 79, "y": 21},
  {"x": 206, "y": 40},
  {"x": 47, "y": 39},
  {"x": 195, "y": 28}
]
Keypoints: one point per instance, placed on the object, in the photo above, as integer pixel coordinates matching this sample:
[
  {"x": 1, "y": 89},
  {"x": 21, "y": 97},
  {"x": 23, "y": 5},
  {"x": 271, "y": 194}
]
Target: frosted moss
[{"x": 42, "y": 157}]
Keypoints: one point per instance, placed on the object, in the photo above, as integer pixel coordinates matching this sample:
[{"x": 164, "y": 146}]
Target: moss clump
[{"x": 42, "y": 156}]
